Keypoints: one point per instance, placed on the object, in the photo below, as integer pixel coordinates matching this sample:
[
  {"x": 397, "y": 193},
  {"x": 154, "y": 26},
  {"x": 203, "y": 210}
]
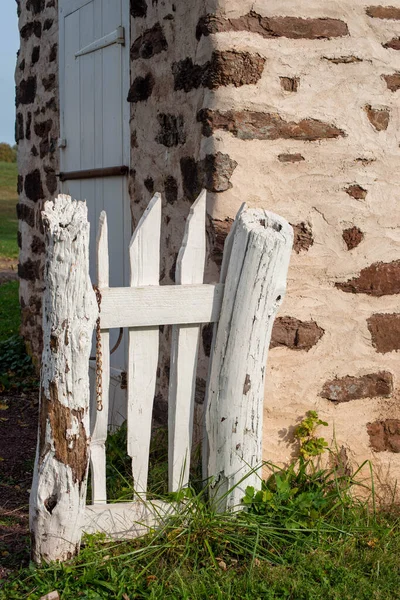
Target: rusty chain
[{"x": 99, "y": 355}]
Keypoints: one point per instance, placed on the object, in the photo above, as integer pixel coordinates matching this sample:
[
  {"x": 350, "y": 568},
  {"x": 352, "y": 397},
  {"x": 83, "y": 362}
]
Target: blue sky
[{"x": 9, "y": 44}]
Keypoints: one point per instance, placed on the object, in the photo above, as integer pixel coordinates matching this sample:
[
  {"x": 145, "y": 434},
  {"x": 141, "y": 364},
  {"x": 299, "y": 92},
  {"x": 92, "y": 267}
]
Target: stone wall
[
  {"x": 314, "y": 136},
  {"x": 36, "y": 133},
  {"x": 290, "y": 106}
]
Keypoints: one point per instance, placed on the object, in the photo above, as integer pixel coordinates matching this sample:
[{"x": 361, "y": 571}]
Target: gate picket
[
  {"x": 184, "y": 351},
  {"x": 144, "y": 253}
]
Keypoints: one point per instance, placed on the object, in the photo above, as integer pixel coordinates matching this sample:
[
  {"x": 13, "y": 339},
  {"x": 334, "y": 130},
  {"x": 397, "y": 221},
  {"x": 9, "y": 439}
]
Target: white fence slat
[
  {"x": 100, "y": 418},
  {"x": 144, "y": 252},
  {"x": 254, "y": 289},
  {"x": 161, "y": 305},
  {"x": 126, "y": 520},
  {"x": 184, "y": 351}
]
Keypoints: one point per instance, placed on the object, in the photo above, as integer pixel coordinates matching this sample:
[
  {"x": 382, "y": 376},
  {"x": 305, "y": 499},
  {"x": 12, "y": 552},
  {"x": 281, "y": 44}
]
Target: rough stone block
[
  {"x": 141, "y": 88},
  {"x": 356, "y": 191},
  {"x": 379, "y": 279},
  {"x": 251, "y": 125},
  {"x": 303, "y": 238},
  {"x": 384, "y": 436},
  {"x": 378, "y": 117},
  {"x": 295, "y": 334},
  {"x": 352, "y": 236},
  {"x": 385, "y": 331},
  {"x": 151, "y": 42},
  {"x": 172, "y": 130},
  {"x": 229, "y": 67},
  {"x": 383, "y": 12},
  {"x": 349, "y": 388},
  {"x": 274, "y": 27}
]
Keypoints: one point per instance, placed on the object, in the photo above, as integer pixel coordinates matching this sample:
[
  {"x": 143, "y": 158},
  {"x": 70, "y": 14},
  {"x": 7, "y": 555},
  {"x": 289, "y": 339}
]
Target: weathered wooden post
[
  {"x": 58, "y": 494},
  {"x": 254, "y": 269}
]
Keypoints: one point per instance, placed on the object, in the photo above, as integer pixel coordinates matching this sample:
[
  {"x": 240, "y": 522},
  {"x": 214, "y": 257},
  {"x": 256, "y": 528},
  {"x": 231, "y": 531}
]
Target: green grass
[
  {"x": 9, "y": 310},
  {"x": 199, "y": 554},
  {"x": 8, "y": 217},
  {"x": 304, "y": 535}
]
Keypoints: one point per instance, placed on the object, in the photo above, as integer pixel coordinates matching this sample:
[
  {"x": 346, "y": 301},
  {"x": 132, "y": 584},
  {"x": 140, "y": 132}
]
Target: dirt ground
[{"x": 18, "y": 428}]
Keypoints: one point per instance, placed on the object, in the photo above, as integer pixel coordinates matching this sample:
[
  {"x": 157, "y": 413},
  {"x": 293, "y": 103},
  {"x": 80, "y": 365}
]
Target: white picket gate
[{"x": 242, "y": 306}]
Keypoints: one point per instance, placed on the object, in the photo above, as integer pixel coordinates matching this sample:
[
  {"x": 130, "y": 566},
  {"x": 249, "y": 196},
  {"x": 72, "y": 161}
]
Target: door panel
[{"x": 95, "y": 124}]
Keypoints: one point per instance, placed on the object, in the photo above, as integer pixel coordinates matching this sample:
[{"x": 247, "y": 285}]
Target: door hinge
[{"x": 115, "y": 37}]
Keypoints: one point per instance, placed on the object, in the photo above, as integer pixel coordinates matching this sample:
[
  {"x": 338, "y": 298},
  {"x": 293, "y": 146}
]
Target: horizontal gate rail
[{"x": 161, "y": 305}]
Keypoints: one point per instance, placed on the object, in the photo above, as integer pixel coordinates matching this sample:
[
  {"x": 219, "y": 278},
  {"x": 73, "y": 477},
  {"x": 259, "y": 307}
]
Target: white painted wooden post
[
  {"x": 99, "y": 419},
  {"x": 58, "y": 493},
  {"x": 255, "y": 284},
  {"x": 144, "y": 251},
  {"x": 185, "y": 342}
]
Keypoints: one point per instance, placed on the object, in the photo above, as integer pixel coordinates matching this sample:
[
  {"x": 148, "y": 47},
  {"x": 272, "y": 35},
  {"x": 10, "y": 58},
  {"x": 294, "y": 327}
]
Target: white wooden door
[{"x": 94, "y": 142}]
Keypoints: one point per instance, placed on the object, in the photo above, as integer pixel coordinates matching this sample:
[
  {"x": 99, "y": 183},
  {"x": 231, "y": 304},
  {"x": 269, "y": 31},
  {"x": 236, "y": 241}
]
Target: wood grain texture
[
  {"x": 144, "y": 252},
  {"x": 184, "y": 351},
  {"x": 160, "y": 305},
  {"x": 254, "y": 288},
  {"x": 58, "y": 492}
]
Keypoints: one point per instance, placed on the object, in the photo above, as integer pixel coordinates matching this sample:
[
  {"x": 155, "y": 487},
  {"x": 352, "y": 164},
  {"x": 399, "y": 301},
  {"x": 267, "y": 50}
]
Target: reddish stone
[
  {"x": 379, "y": 279},
  {"x": 274, "y": 27},
  {"x": 356, "y": 191},
  {"x": 385, "y": 331},
  {"x": 228, "y": 67},
  {"x": 290, "y": 84},
  {"x": 218, "y": 169},
  {"x": 303, "y": 238},
  {"x": 378, "y": 117},
  {"x": 290, "y": 158},
  {"x": 352, "y": 236},
  {"x": 251, "y": 125},
  {"x": 384, "y": 436},
  {"x": 214, "y": 173},
  {"x": 295, "y": 334},
  {"x": 350, "y": 388},
  {"x": 383, "y": 12},
  {"x": 393, "y": 44},
  {"x": 218, "y": 231},
  {"x": 392, "y": 81}
]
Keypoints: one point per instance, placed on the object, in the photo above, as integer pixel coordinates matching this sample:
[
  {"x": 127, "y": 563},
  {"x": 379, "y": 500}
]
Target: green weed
[
  {"x": 10, "y": 312},
  {"x": 17, "y": 372},
  {"x": 307, "y": 538},
  {"x": 8, "y": 216}
]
